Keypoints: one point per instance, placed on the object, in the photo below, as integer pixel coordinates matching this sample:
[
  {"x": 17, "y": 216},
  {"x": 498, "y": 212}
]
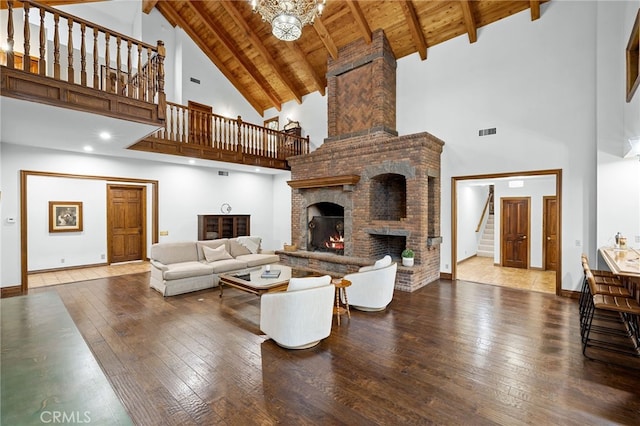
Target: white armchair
[
  {"x": 372, "y": 287},
  {"x": 301, "y": 316}
]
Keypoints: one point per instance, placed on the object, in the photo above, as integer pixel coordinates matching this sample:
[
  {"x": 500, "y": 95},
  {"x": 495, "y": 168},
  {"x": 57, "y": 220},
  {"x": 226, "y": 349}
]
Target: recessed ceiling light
[
  {"x": 88, "y": 148},
  {"x": 257, "y": 170},
  {"x": 105, "y": 136},
  {"x": 192, "y": 161}
]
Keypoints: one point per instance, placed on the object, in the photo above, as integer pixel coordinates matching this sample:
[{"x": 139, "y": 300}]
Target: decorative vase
[{"x": 407, "y": 261}]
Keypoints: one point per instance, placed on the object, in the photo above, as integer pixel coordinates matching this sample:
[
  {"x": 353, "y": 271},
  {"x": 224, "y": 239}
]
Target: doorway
[
  {"x": 514, "y": 234},
  {"x": 200, "y": 117},
  {"x": 550, "y": 221},
  {"x": 126, "y": 223},
  {"x": 543, "y": 262}
]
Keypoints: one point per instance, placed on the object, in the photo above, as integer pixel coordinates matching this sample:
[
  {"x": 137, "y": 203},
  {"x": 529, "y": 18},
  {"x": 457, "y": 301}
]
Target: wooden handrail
[
  {"x": 113, "y": 75},
  {"x": 484, "y": 210},
  {"x": 228, "y": 134}
]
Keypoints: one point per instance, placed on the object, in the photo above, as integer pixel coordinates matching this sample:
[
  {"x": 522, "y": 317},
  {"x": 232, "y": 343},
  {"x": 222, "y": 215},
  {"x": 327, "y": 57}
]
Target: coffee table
[{"x": 251, "y": 281}]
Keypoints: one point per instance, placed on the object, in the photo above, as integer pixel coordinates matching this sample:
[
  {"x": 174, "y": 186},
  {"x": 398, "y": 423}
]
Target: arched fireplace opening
[
  {"x": 388, "y": 197},
  {"x": 326, "y": 228}
]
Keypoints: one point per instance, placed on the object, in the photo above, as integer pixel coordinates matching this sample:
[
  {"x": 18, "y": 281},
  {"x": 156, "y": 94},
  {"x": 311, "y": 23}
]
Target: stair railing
[
  {"x": 488, "y": 203},
  {"x": 194, "y": 127}
]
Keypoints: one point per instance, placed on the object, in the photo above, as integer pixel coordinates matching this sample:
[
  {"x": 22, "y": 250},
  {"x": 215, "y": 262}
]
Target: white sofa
[
  {"x": 372, "y": 286},
  {"x": 183, "y": 267},
  {"x": 300, "y": 317}
]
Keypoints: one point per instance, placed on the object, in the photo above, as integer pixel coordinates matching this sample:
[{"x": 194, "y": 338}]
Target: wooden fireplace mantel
[{"x": 324, "y": 181}]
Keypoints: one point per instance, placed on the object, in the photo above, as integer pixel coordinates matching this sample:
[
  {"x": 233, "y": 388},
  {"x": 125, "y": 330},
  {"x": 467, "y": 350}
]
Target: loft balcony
[
  {"x": 71, "y": 77},
  {"x": 58, "y": 59},
  {"x": 194, "y": 131}
]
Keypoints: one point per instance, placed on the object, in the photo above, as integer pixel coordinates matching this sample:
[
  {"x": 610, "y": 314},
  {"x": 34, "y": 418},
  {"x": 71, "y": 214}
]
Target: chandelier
[{"x": 287, "y": 17}]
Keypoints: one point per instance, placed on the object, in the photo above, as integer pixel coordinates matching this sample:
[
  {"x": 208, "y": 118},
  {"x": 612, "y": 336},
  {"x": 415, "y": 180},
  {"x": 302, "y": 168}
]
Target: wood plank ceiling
[{"x": 269, "y": 72}]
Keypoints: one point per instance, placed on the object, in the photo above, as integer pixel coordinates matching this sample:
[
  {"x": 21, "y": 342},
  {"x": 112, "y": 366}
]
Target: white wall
[
  {"x": 312, "y": 115},
  {"x": 184, "y": 192},
  {"x": 470, "y": 204},
  {"x": 618, "y": 184},
  {"x": 46, "y": 250},
  {"x": 535, "y": 189},
  {"x": 534, "y": 82}
]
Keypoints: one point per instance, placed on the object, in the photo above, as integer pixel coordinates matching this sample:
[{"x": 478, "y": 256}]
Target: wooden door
[
  {"x": 515, "y": 232},
  {"x": 200, "y": 117},
  {"x": 550, "y": 233},
  {"x": 126, "y": 222}
]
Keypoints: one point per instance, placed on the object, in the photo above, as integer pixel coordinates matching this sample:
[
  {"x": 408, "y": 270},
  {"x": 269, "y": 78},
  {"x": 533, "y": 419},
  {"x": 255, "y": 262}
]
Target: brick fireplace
[{"x": 373, "y": 191}]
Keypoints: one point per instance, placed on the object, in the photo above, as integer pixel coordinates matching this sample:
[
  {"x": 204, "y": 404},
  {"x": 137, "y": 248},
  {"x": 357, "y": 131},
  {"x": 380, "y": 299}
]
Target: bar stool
[
  {"x": 603, "y": 277},
  {"x": 590, "y": 290},
  {"x": 626, "y": 308},
  {"x": 608, "y": 285}
]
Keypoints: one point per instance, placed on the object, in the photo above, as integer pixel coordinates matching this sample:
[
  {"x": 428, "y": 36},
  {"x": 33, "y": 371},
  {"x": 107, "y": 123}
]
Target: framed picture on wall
[{"x": 65, "y": 216}]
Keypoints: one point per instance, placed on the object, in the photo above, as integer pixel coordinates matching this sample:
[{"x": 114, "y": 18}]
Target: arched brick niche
[{"x": 388, "y": 197}]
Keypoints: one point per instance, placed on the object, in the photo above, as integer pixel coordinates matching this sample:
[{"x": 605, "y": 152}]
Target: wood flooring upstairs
[{"x": 449, "y": 353}]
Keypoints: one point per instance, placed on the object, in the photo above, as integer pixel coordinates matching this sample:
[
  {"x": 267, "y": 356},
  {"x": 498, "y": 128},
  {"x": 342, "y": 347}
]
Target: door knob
[{"x": 548, "y": 238}]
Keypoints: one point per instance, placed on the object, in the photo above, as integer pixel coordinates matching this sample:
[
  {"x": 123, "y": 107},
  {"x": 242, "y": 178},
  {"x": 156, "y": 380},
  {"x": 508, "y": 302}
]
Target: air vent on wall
[
  {"x": 194, "y": 80},
  {"x": 485, "y": 132},
  {"x": 222, "y": 173}
]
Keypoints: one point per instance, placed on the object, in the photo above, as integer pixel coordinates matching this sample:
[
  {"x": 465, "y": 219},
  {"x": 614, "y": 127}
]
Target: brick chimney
[
  {"x": 362, "y": 89},
  {"x": 384, "y": 187}
]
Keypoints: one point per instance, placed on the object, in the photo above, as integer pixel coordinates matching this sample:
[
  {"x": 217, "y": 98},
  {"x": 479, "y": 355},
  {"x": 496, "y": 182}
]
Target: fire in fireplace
[
  {"x": 335, "y": 243},
  {"x": 327, "y": 234}
]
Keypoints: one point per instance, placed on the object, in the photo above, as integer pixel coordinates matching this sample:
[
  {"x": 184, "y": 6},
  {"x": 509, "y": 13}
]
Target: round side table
[{"x": 341, "y": 290}]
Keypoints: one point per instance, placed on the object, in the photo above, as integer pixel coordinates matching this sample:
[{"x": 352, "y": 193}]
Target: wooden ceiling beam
[
  {"x": 356, "y": 11},
  {"x": 257, "y": 43},
  {"x": 167, "y": 10},
  {"x": 469, "y": 22},
  {"x": 199, "y": 8},
  {"x": 535, "y": 9},
  {"x": 414, "y": 27},
  {"x": 148, "y": 5},
  {"x": 325, "y": 38},
  {"x": 320, "y": 83},
  {"x": 170, "y": 15}
]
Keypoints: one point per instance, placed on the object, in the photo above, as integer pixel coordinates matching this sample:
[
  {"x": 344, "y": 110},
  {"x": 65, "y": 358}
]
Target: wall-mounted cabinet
[{"x": 212, "y": 226}]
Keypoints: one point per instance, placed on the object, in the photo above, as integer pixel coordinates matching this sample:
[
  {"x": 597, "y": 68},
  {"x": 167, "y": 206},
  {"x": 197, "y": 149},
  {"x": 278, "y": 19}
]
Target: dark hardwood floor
[{"x": 446, "y": 354}]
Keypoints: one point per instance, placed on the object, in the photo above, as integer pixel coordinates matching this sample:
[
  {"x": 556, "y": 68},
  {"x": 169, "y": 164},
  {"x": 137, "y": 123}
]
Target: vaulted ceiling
[{"x": 269, "y": 72}]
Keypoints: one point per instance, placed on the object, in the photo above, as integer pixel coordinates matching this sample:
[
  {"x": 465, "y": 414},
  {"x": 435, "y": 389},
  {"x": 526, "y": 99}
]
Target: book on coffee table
[{"x": 274, "y": 273}]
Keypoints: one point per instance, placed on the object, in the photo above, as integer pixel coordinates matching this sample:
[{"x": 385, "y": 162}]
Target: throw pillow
[
  {"x": 296, "y": 284},
  {"x": 213, "y": 254},
  {"x": 237, "y": 249},
  {"x": 252, "y": 243}
]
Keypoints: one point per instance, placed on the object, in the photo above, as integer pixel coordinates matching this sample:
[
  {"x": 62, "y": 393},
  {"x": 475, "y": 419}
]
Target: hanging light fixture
[{"x": 287, "y": 17}]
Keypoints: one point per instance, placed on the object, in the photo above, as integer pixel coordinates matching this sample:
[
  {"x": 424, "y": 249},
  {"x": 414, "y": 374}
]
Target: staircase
[{"x": 485, "y": 245}]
